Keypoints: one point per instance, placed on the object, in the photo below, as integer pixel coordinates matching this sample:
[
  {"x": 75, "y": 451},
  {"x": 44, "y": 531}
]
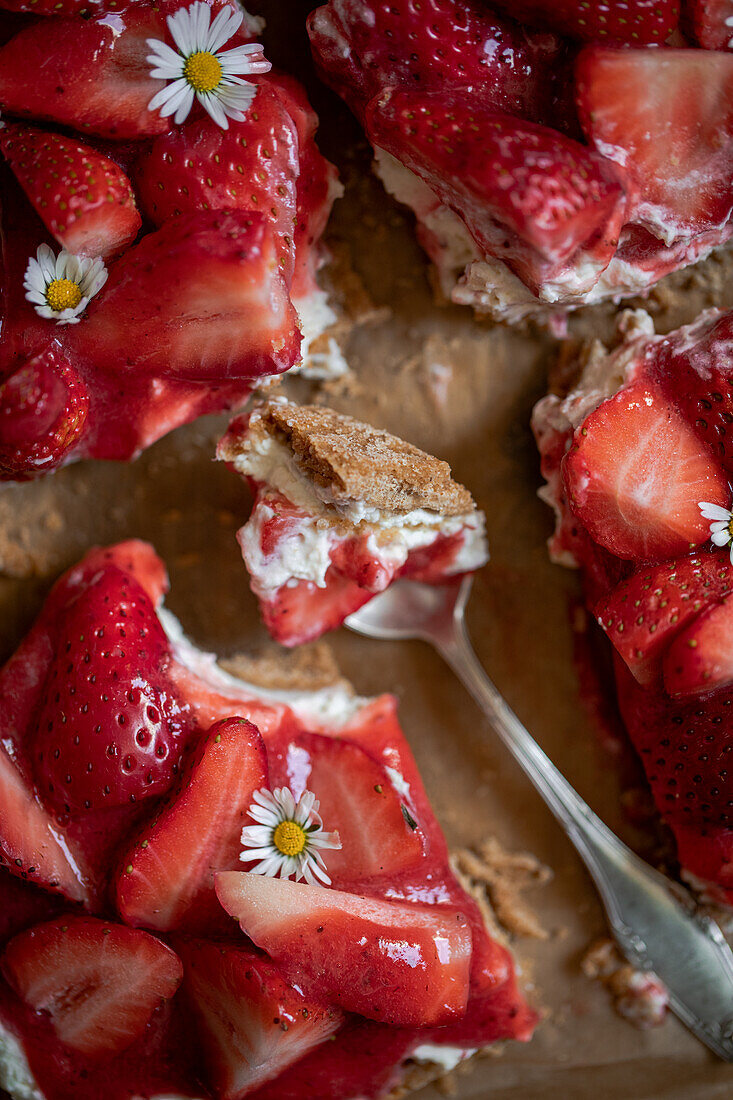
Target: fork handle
[{"x": 652, "y": 919}]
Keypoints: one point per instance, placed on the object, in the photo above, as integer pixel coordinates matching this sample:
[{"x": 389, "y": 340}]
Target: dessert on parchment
[
  {"x": 163, "y": 203},
  {"x": 341, "y": 510},
  {"x": 147, "y": 797},
  {"x": 553, "y": 159},
  {"x": 638, "y": 459}
]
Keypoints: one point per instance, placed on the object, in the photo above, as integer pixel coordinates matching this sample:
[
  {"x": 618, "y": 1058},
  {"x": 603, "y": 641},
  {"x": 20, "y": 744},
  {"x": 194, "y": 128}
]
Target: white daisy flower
[
  {"x": 200, "y": 70},
  {"x": 288, "y": 837},
  {"x": 721, "y": 529},
  {"x": 60, "y": 287}
]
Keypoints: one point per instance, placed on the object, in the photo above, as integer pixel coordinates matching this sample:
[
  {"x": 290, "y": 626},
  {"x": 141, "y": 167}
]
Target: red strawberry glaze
[
  {"x": 330, "y": 735},
  {"x": 237, "y": 271},
  {"x": 660, "y": 592}
]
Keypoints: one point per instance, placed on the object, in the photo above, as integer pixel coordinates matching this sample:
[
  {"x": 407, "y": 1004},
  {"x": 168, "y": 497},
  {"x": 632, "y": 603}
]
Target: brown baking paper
[{"x": 463, "y": 390}]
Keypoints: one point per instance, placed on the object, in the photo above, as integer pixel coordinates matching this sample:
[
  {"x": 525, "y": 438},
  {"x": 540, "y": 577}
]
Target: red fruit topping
[
  {"x": 701, "y": 656},
  {"x": 632, "y": 21},
  {"x": 363, "y": 47},
  {"x": 666, "y": 116},
  {"x": 636, "y": 473},
  {"x": 43, "y": 411},
  {"x": 644, "y": 614},
  {"x": 89, "y": 74},
  {"x": 32, "y": 845},
  {"x": 711, "y": 22},
  {"x": 685, "y": 748},
  {"x": 379, "y": 832},
  {"x": 109, "y": 730},
  {"x": 406, "y": 965},
  {"x": 200, "y": 299},
  {"x": 83, "y": 198},
  {"x": 254, "y": 1023},
  {"x": 520, "y": 188},
  {"x": 252, "y": 166},
  {"x": 166, "y": 878},
  {"x": 98, "y": 982}
]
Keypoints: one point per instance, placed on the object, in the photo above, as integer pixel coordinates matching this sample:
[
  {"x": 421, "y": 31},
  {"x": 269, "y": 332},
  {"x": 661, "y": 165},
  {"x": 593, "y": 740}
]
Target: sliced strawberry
[
  {"x": 523, "y": 190},
  {"x": 632, "y": 21},
  {"x": 252, "y": 166},
  {"x": 83, "y": 198},
  {"x": 167, "y": 876},
  {"x": 379, "y": 832},
  {"x": 43, "y": 411},
  {"x": 32, "y": 844},
  {"x": 666, "y": 116},
  {"x": 254, "y": 1023},
  {"x": 644, "y": 614},
  {"x": 700, "y": 659},
  {"x": 362, "y": 1059},
  {"x": 302, "y": 612},
  {"x": 89, "y": 74},
  {"x": 711, "y": 22},
  {"x": 99, "y": 983},
  {"x": 407, "y": 965},
  {"x": 109, "y": 729},
  {"x": 362, "y": 47},
  {"x": 635, "y": 474},
  {"x": 685, "y": 747},
  {"x": 200, "y": 299}
]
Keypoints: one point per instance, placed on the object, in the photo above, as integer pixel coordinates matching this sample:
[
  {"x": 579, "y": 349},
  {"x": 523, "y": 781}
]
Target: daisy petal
[
  {"x": 214, "y": 108},
  {"x": 184, "y": 107},
  {"x": 721, "y": 538},
  {"x": 714, "y": 511}
]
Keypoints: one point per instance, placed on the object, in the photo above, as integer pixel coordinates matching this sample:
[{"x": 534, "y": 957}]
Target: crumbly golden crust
[
  {"x": 308, "y": 668},
  {"x": 355, "y": 461}
]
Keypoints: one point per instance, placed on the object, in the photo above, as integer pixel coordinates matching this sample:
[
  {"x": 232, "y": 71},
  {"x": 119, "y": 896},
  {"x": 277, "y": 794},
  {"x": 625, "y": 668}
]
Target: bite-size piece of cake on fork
[{"x": 341, "y": 511}]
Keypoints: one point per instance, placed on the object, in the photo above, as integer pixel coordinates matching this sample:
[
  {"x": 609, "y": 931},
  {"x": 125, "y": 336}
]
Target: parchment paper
[{"x": 463, "y": 390}]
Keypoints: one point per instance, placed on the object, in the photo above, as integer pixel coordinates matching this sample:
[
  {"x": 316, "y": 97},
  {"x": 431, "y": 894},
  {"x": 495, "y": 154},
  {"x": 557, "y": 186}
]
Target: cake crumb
[
  {"x": 308, "y": 668},
  {"x": 497, "y": 879},
  {"x": 638, "y": 995}
]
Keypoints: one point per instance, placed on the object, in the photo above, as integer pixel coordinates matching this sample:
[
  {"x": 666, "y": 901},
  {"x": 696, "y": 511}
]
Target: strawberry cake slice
[
  {"x": 163, "y": 200},
  {"x": 638, "y": 458},
  {"x": 573, "y": 153},
  {"x": 147, "y": 797},
  {"x": 341, "y": 511}
]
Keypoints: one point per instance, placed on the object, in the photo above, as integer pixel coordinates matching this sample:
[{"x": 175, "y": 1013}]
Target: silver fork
[{"x": 653, "y": 919}]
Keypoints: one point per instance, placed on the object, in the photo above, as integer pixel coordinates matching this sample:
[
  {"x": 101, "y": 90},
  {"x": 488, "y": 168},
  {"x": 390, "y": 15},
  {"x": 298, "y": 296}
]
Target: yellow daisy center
[
  {"x": 289, "y": 838},
  {"x": 203, "y": 71},
  {"x": 63, "y": 294}
]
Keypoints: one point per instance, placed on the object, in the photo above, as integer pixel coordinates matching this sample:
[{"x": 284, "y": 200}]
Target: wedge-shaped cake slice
[
  {"x": 341, "y": 511},
  {"x": 546, "y": 167},
  {"x": 146, "y": 796},
  {"x": 638, "y": 457}
]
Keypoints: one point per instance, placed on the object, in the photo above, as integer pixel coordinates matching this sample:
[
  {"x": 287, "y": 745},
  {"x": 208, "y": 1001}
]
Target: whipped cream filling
[
  {"x": 321, "y": 356},
  {"x": 303, "y": 551},
  {"x": 446, "y": 1057}
]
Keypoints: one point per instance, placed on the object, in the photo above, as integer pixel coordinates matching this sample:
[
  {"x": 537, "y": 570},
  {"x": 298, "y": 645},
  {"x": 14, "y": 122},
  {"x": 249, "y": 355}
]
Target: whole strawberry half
[
  {"x": 89, "y": 74},
  {"x": 632, "y": 21},
  {"x": 363, "y": 47},
  {"x": 82, "y": 197},
  {"x": 520, "y": 188},
  {"x": 109, "y": 729},
  {"x": 686, "y": 749},
  {"x": 202, "y": 299},
  {"x": 43, "y": 410},
  {"x": 252, "y": 166}
]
